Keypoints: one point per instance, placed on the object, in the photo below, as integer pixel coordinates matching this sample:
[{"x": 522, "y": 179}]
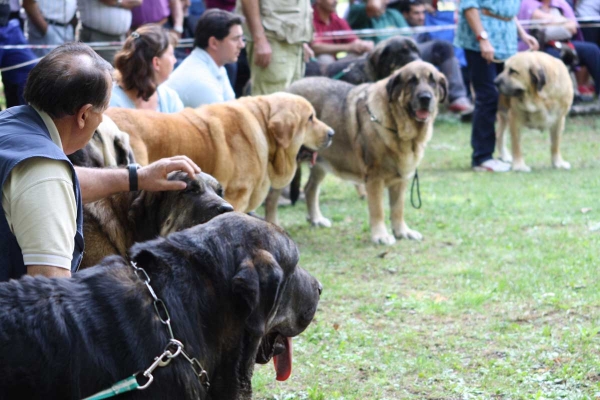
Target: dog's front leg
[
  {"x": 515, "y": 141},
  {"x": 399, "y": 227},
  {"x": 271, "y": 205},
  {"x": 311, "y": 193},
  {"x": 379, "y": 233},
  {"x": 555, "y": 137},
  {"x": 501, "y": 148}
]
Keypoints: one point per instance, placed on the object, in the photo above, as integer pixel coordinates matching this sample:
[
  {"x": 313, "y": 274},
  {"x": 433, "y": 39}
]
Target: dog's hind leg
[
  {"x": 271, "y": 205},
  {"x": 311, "y": 192},
  {"x": 555, "y": 137}
]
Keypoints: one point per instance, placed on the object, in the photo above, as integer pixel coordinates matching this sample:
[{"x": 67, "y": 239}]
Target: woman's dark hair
[
  {"x": 214, "y": 22},
  {"x": 69, "y": 77},
  {"x": 134, "y": 60}
]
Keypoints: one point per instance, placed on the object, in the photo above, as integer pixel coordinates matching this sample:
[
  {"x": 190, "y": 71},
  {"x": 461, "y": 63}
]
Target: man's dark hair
[
  {"x": 404, "y": 5},
  {"x": 69, "y": 77},
  {"x": 214, "y": 22}
]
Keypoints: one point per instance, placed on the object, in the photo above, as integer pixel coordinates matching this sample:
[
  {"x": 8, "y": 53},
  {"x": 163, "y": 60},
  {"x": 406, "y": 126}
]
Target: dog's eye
[
  {"x": 432, "y": 80},
  {"x": 219, "y": 191},
  {"x": 413, "y": 80},
  {"x": 513, "y": 72},
  {"x": 310, "y": 119}
]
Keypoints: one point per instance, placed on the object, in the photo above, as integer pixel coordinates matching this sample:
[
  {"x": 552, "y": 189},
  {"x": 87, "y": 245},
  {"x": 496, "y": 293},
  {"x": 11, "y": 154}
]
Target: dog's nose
[
  {"x": 425, "y": 99},
  {"x": 330, "y": 133},
  {"x": 225, "y": 208}
]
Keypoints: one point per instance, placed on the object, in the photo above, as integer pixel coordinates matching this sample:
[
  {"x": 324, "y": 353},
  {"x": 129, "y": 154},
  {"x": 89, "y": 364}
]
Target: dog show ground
[{"x": 501, "y": 299}]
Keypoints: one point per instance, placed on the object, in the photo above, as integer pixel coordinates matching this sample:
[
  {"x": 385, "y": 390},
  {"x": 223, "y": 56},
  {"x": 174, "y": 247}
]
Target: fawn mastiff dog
[
  {"x": 248, "y": 145},
  {"x": 234, "y": 293},
  {"x": 381, "y": 133},
  {"x": 113, "y": 224},
  {"x": 535, "y": 92}
]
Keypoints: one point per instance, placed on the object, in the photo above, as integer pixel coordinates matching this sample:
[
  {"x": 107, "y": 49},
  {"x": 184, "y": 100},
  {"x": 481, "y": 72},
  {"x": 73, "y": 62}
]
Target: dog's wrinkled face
[
  {"x": 417, "y": 87},
  {"x": 521, "y": 75},
  {"x": 200, "y": 202},
  {"x": 392, "y": 54},
  {"x": 293, "y": 123}
]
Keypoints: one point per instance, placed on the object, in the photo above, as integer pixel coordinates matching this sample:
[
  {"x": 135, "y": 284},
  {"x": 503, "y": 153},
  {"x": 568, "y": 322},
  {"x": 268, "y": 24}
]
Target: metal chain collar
[{"x": 174, "y": 348}]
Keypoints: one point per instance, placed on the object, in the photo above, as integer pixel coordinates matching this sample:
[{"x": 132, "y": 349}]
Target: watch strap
[{"x": 133, "y": 177}]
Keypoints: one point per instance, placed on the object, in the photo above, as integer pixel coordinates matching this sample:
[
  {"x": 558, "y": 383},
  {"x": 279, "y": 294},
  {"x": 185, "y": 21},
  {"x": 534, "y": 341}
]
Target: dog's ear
[
  {"x": 538, "y": 78},
  {"x": 394, "y": 86},
  {"x": 256, "y": 285},
  {"x": 443, "y": 87},
  {"x": 281, "y": 128}
]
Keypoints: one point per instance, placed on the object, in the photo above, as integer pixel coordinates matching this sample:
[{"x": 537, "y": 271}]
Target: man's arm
[
  {"x": 127, "y": 4},
  {"x": 48, "y": 271},
  {"x": 357, "y": 46},
  {"x": 97, "y": 183},
  {"x": 262, "y": 48},
  {"x": 176, "y": 8},
  {"x": 35, "y": 15}
]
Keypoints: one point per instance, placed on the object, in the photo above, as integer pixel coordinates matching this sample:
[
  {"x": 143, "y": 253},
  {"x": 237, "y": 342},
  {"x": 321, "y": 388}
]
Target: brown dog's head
[
  {"x": 392, "y": 54},
  {"x": 522, "y": 75},
  {"x": 171, "y": 211},
  {"x": 417, "y": 88},
  {"x": 292, "y": 122}
]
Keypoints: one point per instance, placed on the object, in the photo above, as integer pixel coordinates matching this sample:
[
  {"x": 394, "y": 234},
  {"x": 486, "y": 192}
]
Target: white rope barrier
[{"x": 584, "y": 22}]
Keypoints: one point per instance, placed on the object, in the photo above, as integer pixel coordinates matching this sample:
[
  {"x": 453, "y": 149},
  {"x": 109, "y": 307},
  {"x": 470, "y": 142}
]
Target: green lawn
[{"x": 501, "y": 300}]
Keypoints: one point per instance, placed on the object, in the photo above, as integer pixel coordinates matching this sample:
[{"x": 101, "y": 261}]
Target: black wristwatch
[{"x": 133, "y": 176}]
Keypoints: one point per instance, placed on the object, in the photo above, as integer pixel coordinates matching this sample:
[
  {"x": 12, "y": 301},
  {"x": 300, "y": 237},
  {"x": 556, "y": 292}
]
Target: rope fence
[{"x": 585, "y": 22}]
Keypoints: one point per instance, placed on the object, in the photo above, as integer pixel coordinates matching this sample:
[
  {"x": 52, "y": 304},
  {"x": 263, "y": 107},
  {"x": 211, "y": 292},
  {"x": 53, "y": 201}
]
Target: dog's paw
[
  {"x": 521, "y": 168},
  {"x": 320, "y": 222},
  {"x": 562, "y": 164},
  {"x": 385, "y": 239},
  {"x": 408, "y": 234}
]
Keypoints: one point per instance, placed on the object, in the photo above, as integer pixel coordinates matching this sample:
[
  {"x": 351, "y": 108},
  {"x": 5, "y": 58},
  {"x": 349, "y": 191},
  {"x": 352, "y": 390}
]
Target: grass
[{"x": 501, "y": 300}]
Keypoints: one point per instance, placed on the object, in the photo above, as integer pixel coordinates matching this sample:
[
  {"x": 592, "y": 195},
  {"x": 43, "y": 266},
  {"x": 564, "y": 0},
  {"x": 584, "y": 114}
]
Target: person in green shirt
[{"x": 375, "y": 16}]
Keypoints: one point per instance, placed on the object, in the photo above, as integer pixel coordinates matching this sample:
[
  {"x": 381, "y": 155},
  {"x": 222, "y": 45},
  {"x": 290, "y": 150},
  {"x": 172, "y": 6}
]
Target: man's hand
[
  {"x": 129, "y": 4},
  {"x": 262, "y": 52},
  {"x": 308, "y": 52},
  {"x": 153, "y": 177},
  {"x": 361, "y": 46}
]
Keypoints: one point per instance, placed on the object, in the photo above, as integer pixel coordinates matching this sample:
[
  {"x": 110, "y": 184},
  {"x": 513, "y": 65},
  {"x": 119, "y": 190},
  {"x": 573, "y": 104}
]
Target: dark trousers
[
  {"x": 483, "y": 133},
  {"x": 589, "y": 56}
]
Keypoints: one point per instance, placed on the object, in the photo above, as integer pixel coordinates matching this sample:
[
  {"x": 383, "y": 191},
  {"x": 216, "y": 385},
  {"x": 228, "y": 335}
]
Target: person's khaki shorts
[{"x": 287, "y": 66}]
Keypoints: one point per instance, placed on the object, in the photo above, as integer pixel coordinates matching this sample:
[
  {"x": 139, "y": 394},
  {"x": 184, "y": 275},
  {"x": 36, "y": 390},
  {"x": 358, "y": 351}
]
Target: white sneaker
[{"x": 492, "y": 165}]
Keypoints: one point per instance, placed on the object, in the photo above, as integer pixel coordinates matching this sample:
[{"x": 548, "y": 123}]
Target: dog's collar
[{"x": 373, "y": 118}]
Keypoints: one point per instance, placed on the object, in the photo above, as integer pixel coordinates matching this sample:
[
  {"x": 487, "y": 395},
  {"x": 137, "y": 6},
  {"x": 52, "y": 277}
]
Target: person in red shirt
[{"x": 325, "y": 19}]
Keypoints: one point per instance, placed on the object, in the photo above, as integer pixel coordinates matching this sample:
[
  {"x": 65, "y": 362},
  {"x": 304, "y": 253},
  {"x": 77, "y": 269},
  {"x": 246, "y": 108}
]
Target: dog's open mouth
[
  {"x": 279, "y": 348},
  {"x": 306, "y": 154},
  {"x": 422, "y": 115}
]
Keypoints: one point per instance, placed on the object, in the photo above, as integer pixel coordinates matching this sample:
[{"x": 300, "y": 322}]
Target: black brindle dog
[{"x": 234, "y": 292}]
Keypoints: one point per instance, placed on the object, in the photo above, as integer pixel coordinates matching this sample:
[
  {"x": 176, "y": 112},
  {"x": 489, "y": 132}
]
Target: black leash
[{"x": 412, "y": 190}]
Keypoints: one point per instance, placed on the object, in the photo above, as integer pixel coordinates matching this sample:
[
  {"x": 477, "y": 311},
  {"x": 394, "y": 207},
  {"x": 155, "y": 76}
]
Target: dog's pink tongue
[
  {"x": 313, "y": 161},
  {"x": 422, "y": 114},
  {"x": 283, "y": 361}
]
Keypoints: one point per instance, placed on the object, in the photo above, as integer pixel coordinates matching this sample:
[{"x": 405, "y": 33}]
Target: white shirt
[
  {"x": 61, "y": 11},
  {"x": 198, "y": 80},
  {"x": 110, "y": 20}
]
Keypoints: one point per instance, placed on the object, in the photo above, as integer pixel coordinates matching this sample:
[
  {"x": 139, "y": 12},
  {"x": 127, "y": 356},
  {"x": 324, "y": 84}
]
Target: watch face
[{"x": 483, "y": 35}]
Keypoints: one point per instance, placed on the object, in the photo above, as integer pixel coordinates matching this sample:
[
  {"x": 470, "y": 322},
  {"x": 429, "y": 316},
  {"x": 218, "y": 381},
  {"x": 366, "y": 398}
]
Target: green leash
[{"x": 124, "y": 386}]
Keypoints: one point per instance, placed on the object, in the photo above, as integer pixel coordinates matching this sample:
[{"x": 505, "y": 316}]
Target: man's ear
[
  {"x": 213, "y": 43},
  {"x": 83, "y": 114}
]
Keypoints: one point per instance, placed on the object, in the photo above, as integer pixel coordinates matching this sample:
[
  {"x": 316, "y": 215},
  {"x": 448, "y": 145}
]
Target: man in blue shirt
[
  {"x": 487, "y": 30},
  {"x": 202, "y": 78}
]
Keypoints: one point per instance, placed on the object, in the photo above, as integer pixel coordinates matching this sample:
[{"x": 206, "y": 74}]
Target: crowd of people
[{"x": 56, "y": 105}]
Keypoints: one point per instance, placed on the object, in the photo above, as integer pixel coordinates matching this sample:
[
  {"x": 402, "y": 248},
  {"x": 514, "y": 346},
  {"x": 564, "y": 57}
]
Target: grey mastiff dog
[{"x": 381, "y": 133}]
